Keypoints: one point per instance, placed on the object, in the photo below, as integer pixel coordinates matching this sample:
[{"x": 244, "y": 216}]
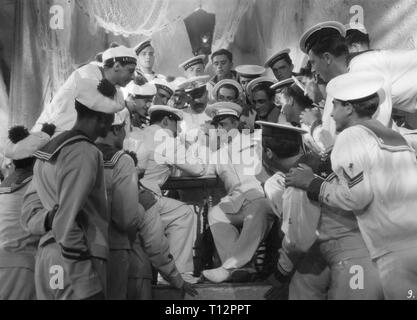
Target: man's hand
[
  {"x": 189, "y": 289},
  {"x": 300, "y": 177},
  {"x": 309, "y": 116}
]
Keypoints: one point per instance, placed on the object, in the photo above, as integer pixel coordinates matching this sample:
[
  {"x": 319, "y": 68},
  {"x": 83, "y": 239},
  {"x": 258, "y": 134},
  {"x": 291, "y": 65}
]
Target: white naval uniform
[
  {"x": 158, "y": 156},
  {"x": 399, "y": 69},
  {"x": 377, "y": 179},
  {"x": 245, "y": 205},
  {"x": 324, "y": 273},
  {"x": 61, "y": 111},
  {"x": 299, "y": 228}
]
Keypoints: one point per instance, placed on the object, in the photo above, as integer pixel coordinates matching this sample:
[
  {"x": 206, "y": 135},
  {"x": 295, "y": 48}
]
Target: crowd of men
[{"x": 318, "y": 153}]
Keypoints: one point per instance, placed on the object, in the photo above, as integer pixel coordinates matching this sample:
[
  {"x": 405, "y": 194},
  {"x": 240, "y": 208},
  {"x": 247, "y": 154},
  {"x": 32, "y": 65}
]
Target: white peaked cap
[{"x": 355, "y": 86}]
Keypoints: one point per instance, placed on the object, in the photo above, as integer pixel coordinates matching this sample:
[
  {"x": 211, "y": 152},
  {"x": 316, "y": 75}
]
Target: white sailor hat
[
  {"x": 355, "y": 86},
  {"x": 250, "y": 71},
  {"x": 121, "y": 54},
  {"x": 312, "y": 35},
  {"x": 177, "y": 83},
  {"x": 222, "y": 109},
  {"x": 97, "y": 95},
  {"x": 178, "y": 114},
  {"x": 169, "y": 87},
  {"x": 193, "y": 83},
  {"x": 192, "y": 62},
  {"x": 282, "y": 84},
  {"x": 256, "y": 82},
  {"x": 144, "y": 91},
  {"x": 230, "y": 82},
  {"x": 144, "y": 44},
  {"x": 355, "y": 26},
  {"x": 26, "y": 147},
  {"x": 277, "y": 56},
  {"x": 275, "y": 130}
]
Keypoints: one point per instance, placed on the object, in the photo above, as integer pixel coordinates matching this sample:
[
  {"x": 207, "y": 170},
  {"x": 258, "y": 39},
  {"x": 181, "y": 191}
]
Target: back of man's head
[
  {"x": 282, "y": 148},
  {"x": 357, "y": 37}
]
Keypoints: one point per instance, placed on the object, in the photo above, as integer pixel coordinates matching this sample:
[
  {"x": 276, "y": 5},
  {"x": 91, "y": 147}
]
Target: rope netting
[
  {"x": 146, "y": 17},
  {"x": 128, "y": 17}
]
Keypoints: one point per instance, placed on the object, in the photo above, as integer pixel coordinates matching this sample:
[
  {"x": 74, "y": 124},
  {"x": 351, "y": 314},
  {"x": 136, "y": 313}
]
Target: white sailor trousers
[
  {"x": 398, "y": 273},
  {"x": 179, "y": 223},
  {"x": 255, "y": 219}
]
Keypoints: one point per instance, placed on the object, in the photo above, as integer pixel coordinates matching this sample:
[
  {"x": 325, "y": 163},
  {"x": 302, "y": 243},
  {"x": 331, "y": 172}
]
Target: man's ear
[
  {"x": 290, "y": 101},
  {"x": 327, "y": 57},
  {"x": 269, "y": 153},
  {"x": 113, "y": 130},
  {"x": 349, "y": 109},
  {"x": 164, "y": 121}
]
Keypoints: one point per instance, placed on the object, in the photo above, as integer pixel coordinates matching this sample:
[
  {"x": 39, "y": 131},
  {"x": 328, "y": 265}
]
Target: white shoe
[{"x": 217, "y": 275}]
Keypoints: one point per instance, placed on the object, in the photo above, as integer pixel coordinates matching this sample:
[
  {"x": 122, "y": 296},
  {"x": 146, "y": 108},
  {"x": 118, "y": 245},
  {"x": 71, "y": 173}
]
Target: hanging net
[
  {"x": 128, "y": 17},
  {"x": 146, "y": 17}
]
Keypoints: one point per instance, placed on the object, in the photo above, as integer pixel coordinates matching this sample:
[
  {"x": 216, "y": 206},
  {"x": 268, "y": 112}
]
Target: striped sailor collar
[
  {"x": 49, "y": 151},
  {"x": 111, "y": 155}
]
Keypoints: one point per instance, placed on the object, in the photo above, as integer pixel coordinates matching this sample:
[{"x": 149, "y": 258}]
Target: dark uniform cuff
[{"x": 314, "y": 188}]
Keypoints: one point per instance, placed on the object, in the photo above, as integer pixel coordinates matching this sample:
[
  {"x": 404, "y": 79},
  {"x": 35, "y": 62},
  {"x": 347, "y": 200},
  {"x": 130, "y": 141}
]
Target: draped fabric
[
  {"x": 4, "y": 111},
  {"x": 43, "y": 57}
]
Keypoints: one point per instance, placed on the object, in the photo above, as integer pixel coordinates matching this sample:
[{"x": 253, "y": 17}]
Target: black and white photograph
[{"x": 208, "y": 154}]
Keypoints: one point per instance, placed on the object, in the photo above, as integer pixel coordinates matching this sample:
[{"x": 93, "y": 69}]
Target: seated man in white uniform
[
  {"x": 158, "y": 156},
  {"x": 376, "y": 172},
  {"x": 193, "y": 67},
  {"x": 119, "y": 67},
  {"x": 245, "y": 206}
]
